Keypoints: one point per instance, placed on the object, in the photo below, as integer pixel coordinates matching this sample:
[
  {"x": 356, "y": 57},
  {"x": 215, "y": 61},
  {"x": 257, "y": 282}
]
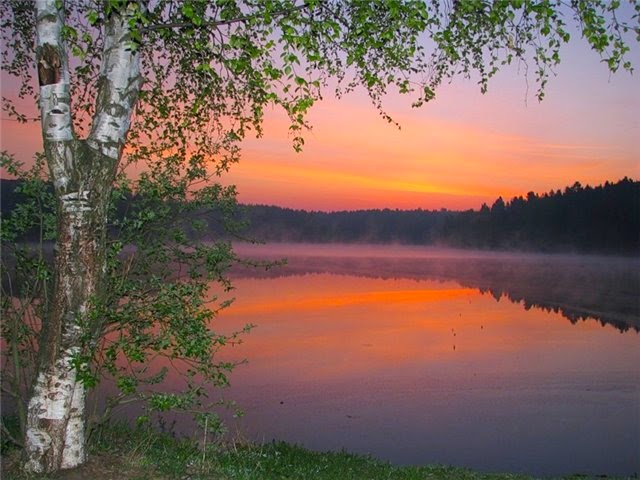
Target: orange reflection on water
[
  {"x": 329, "y": 299},
  {"x": 324, "y": 326}
]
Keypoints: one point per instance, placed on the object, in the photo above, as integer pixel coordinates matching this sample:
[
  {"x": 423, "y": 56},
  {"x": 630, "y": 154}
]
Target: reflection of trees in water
[{"x": 577, "y": 287}]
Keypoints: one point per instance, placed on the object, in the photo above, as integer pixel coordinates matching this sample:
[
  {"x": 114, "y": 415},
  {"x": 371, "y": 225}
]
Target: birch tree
[{"x": 169, "y": 88}]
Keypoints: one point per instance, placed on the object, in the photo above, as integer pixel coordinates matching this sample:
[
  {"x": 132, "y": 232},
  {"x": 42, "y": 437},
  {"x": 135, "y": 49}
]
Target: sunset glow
[{"x": 459, "y": 151}]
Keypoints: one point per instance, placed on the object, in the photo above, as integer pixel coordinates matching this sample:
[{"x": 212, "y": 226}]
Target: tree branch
[
  {"x": 7, "y": 433},
  {"x": 55, "y": 100},
  {"x": 118, "y": 86},
  {"x": 220, "y": 23}
]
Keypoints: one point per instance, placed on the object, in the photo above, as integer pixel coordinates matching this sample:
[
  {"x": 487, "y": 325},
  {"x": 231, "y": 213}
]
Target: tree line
[{"x": 602, "y": 219}]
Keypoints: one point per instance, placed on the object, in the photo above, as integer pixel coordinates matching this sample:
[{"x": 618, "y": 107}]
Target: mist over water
[
  {"x": 434, "y": 355},
  {"x": 495, "y": 361},
  {"x": 578, "y": 286}
]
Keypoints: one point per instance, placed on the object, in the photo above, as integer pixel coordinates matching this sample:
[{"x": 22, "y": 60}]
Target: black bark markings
[{"x": 49, "y": 65}]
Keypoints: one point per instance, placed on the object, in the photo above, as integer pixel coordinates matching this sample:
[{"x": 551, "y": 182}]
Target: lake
[{"x": 493, "y": 361}]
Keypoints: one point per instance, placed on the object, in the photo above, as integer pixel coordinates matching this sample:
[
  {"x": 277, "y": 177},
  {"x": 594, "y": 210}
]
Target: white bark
[
  {"x": 50, "y": 405},
  {"x": 83, "y": 176},
  {"x": 55, "y": 420},
  {"x": 53, "y": 392},
  {"x": 56, "y": 112},
  {"x": 55, "y": 99},
  {"x": 121, "y": 81},
  {"x": 74, "y": 453}
]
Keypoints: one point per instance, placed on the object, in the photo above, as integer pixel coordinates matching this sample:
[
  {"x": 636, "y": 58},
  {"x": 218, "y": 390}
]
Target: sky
[{"x": 456, "y": 152}]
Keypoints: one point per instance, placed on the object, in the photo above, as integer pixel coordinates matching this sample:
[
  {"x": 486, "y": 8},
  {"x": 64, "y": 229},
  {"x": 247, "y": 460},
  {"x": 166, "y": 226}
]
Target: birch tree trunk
[{"x": 83, "y": 172}]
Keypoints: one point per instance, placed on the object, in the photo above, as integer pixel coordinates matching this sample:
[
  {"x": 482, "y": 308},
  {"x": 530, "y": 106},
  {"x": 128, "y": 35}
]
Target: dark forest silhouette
[{"x": 603, "y": 219}]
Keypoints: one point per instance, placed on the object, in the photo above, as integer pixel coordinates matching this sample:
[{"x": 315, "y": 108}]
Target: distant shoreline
[{"x": 602, "y": 220}]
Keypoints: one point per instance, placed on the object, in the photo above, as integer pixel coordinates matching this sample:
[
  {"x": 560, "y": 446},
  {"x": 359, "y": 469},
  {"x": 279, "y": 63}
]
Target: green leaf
[{"x": 93, "y": 18}]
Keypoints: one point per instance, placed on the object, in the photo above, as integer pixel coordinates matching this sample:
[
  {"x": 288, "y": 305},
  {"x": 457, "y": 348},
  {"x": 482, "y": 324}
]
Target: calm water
[{"x": 491, "y": 361}]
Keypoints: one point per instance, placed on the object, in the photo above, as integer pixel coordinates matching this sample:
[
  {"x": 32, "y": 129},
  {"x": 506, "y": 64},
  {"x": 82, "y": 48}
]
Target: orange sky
[
  {"x": 463, "y": 149},
  {"x": 456, "y": 152}
]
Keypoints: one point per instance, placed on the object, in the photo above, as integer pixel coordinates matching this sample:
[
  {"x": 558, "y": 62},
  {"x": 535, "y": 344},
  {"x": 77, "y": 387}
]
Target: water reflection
[
  {"x": 407, "y": 359},
  {"x": 577, "y": 286},
  {"x": 328, "y": 326}
]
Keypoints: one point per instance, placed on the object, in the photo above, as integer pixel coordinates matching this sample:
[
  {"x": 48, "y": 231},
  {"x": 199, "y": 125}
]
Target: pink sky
[
  {"x": 456, "y": 152},
  {"x": 462, "y": 149}
]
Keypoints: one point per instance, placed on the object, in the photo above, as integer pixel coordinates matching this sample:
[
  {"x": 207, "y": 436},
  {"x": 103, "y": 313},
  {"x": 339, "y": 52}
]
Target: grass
[{"x": 125, "y": 453}]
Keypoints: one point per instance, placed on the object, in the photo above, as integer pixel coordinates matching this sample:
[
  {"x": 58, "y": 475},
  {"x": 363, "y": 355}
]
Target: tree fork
[{"x": 82, "y": 172}]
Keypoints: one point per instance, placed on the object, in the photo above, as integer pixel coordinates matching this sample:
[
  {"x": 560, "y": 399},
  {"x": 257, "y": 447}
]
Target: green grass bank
[{"x": 119, "y": 452}]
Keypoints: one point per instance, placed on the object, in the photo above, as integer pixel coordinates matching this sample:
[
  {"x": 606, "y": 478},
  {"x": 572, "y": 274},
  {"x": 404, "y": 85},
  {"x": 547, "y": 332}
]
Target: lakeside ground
[{"x": 121, "y": 453}]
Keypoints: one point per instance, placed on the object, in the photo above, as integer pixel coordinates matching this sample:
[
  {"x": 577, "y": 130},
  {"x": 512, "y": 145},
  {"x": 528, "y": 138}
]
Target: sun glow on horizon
[{"x": 457, "y": 152}]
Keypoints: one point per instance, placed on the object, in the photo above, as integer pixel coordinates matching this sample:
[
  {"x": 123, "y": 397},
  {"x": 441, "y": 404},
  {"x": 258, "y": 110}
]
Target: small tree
[{"x": 169, "y": 88}]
